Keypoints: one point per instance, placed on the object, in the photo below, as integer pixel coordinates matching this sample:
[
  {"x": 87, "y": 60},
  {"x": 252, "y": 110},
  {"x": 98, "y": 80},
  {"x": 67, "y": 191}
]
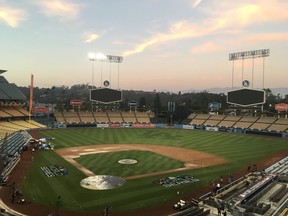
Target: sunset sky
[{"x": 169, "y": 45}]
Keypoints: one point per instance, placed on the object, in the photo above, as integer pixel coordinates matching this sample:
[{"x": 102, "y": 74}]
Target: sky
[{"x": 166, "y": 45}]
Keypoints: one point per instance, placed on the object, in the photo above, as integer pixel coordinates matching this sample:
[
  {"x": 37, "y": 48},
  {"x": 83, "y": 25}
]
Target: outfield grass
[{"x": 239, "y": 150}]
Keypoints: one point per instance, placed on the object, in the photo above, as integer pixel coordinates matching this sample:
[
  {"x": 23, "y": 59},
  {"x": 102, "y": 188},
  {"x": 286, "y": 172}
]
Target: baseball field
[{"x": 156, "y": 153}]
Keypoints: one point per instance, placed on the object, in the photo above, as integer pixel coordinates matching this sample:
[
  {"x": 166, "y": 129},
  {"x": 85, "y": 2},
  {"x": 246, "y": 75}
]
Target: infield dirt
[{"x": 192, "y": 159}]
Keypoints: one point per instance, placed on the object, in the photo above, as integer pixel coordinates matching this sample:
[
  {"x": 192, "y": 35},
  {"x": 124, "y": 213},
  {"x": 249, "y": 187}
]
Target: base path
[{"x": 192, "y": 159}]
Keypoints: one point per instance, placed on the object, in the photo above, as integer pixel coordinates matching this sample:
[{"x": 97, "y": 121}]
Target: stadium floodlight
[
  {"x": 104, "y": 58},
  {"x": 117, "y": 59},
  {"x": 92, "y": 56},
  {"x": 261, "y": 53},
  {"x": 100, "y": 57},
  {"x": 249, "y": 54}
]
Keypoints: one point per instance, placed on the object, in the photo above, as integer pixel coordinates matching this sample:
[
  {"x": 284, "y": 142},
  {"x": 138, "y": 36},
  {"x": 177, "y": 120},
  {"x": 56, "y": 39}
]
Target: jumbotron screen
[
  {"x": 105, "y": 95},
  {"x": 246, "y": 97}
]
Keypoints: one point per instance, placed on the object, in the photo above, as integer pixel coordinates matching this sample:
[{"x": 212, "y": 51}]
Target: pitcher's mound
[
  {"x": 127, "y": 161},
  {"x": 102, "y": 182}
]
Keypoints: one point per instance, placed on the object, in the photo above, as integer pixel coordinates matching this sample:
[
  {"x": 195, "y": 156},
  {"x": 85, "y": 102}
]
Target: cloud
[
  {"x": 179, "y": 30},
  {"x": 139, "y": 48},
  {"x": 59, "y": 8},
  {"x": 90, "y": 37},
  {"x": 196, "y": 3},
  {"x": 224, "y": 19},
  {"x": 283, "y": 36},
  {"x": 12, "y": 16},
  {"x": 237, "y": 42},
  {"x": 207, "y": 47}
]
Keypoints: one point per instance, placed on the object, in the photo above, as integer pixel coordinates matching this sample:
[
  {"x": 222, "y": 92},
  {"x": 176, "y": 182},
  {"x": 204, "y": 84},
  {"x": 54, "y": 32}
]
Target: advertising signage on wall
[{"x": 281, "y": 107}]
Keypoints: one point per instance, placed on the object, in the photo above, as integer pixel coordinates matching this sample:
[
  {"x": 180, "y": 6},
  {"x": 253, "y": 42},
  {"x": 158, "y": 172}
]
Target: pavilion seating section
[
  {"x": 245, "y": 122},
  {"x": 101, "y": 117},
  {"x": 60, "y": 118},
  {"x": 217, "y": 117},
  {"x": 251, "y": 119},
  {"x": 225, "y": 123},
  {"x": 115, "y": 117},
  {"x": 282, "y": 121},
  {"x": 232, "y": 118},
  {"x": 144, "y": 117},
  {"x": 86, "y": 117},
  {"x": 71, "y": 117},
  {"x": 268, "y": 120},
  {"x": 199, "y": 119},
  {"x": 192, "y": 116},
  {"x": 211, "y": 122},
  {"x": 242, "y": 125},
  {"x": 259, "y": 126},
  {"x": 129, "y": 117},
  {"x": 278, "y": 128}
]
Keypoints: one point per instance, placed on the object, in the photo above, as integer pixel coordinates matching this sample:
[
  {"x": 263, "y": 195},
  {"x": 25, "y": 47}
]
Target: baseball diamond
[{"x": 160, "y": 154}]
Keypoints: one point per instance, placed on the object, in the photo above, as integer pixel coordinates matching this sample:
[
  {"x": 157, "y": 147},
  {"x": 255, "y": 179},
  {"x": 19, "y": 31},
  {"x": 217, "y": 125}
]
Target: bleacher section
[
  {"x": 259, "y": 126},
  {"x": 268, "y": 120},
  {"x": 103, "y": 117},
  {"x": 71, "y": 117},
  {"x": 226, "y": 123},
  {"x": 242, "y": 125},
  {"x": 243, "y": 122},
  {"x": 59, "y": 117},
  {"x": 129, "y": 117},
  {"x": 86, "y": 117},
  {"x": 199, "y": 119},
  {"x": 115, "y": 117},
  {"x": 143, "y": 117},
  {"x": 278, "y": 128}
]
